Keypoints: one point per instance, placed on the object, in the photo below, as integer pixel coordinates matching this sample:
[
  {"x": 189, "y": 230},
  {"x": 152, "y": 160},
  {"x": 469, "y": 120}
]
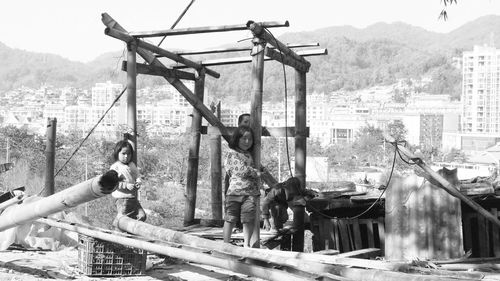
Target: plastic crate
[{"x": 97, "y": 257}]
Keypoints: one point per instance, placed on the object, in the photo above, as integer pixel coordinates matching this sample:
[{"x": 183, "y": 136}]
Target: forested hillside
[{"x": 358, "y": 58}]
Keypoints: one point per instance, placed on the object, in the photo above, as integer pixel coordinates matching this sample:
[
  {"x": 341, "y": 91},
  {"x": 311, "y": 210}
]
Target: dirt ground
[{"x": 63, "y": 265}]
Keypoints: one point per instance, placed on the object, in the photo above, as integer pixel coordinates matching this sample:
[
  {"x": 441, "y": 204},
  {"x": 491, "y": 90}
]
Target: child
[
  {"x": 279, "y": 198},
  {"x": 243, "y": 191},
  {"x": 125, "y": 195}
]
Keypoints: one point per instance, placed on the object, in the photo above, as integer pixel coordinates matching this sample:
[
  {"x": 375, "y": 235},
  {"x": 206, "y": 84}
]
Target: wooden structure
[{"x": 265, "y": 47}]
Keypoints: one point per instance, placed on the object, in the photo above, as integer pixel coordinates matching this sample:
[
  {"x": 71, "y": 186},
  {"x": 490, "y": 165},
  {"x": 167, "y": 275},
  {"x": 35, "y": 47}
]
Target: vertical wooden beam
[
  {"x": 216, "y": 170},
  {"x": 300, "y": 155},
  {"x": 256, "y": 118},
  {"x": 132, "y": 96},
  {"x": 50, "y": 157},
  {"x": 194, "y": 151}
]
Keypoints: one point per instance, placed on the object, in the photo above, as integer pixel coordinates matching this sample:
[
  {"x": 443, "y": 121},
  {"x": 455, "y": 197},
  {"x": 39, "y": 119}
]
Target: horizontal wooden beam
[
  {"x": 238, "y": 60},
  {"x": 261, "y": 32},
  {"x": 155, "y": 49},
  {"x": 287, "y": 60},
  {"x": 266, "y": 131},
  {"x": 204, "y": 29},
  {"x": 160, "y": 71},
  {"x": 241, "y": 49}
]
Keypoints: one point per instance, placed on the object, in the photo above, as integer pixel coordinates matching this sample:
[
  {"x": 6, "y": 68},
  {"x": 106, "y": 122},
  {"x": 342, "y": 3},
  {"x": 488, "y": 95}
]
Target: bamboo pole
[
  {"x": 11, "y": 201},
  {"x": 433, "y": 177},
  {"x": 256, "y": 120},
  {"x": 300, "y": 261},
  {"x": 65, "y": 199},
  {"x": 118, "y": 34},
  {"x": 247, "y": 59},
  {"x": 50, "y": 157},
  {"x": 132, "y": 97},
  {"x": 204, "y": 29},
  {"x": 159, "y": 71},
  {"x": 236, "y": 49},
  {"x": 216, "y": 171},
  {"x": 194, "y": 151},
  {"x": 300, "y": 155},
  {"x": 236, "y": 266},
  {"x": 279, "y": 57}
]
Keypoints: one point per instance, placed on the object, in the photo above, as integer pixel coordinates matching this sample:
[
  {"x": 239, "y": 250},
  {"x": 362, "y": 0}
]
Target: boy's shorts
[{"x": 242, "y": 207}]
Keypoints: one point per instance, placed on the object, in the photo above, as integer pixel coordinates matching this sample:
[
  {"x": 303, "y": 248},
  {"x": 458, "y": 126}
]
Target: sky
[{"x": 73, "y": 28}]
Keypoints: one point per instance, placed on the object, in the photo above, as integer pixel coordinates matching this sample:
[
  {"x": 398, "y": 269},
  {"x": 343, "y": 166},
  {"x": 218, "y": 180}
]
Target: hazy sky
[{"x": 73, "y": 28}]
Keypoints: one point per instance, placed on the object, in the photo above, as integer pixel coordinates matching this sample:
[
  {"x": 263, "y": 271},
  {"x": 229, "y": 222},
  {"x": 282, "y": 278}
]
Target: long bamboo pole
[
  {"x": 300, "y": 156},
  {"x": 50, "y": 157},
  {"x": 433, "y": 176},
  {"x": 256, "y": 120},
  {"x": 236, "y": 49},
  {"x": 65, "y": 199},
  {"x": 236, "y": 266},
  {"x": 204, "y": 29},
  {"x": 247, "y": 59},
  {"x": 132, "y": 96},
  {"x": 11, "y": 201},
  {"x": 158, "y": 71},
  {"x": 216, "y": 171},
  {"x": 194, "y": 151}
]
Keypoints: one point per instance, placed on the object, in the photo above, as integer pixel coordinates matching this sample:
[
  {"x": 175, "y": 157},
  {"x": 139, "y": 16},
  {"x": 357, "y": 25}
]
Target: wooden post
[
  {"x": 50, "y": 157},
  {"x": 132, "y": 96},
  {"x": 300, "y": 156},
  {"x": 256, "y": 119},
  {"x": 216, "y": 169},
  {"x": 194, "y": 150}
]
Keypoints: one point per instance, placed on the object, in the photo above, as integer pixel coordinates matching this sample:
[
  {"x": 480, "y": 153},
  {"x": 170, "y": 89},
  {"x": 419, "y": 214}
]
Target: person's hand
[
  {"x": 267, "y": 224},
  {"x": 138, "y": 183},
  {"x": 130, "y": 186}
]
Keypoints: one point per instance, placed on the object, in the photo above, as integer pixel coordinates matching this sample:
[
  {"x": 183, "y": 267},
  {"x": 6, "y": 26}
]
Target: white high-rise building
[{"x": 481, "y": 91}]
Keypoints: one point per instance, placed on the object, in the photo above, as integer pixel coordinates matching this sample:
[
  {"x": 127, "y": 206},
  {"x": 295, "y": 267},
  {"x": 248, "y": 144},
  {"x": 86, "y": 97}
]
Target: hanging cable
[
  {"x": 90, "y": 132},
  {"x": 286, "y": 104}
]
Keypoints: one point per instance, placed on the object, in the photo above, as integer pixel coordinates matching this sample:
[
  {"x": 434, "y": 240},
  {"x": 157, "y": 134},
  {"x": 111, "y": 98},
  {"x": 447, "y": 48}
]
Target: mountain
[{"x": 378, "y": 54}]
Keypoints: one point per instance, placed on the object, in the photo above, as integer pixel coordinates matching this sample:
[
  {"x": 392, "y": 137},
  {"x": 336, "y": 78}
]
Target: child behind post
[{"x": 125, "y": 195}]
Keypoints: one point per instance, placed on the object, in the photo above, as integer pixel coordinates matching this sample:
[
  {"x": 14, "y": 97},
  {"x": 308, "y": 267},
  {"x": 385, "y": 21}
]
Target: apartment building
[{"x": 481, "y": 91}]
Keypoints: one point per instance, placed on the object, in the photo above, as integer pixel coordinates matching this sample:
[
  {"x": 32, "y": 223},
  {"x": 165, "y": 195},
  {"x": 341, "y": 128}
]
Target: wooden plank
[
  {"x": 335, "y": 234},
  {"x": 203, "y": 29},
  {"x": 344, "y": 236},
  {"x": 361, "y": 253},
  {"x": 495, "y": 237},
  {"x": 357, "y": 234},
  {"x": 160, "y": 71},
  {"x": 483, "y": 239},
  {"x": 369, "y": 232},
  {"x": 467, "y": 231},
  {"x": 381, "y": 233}
]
